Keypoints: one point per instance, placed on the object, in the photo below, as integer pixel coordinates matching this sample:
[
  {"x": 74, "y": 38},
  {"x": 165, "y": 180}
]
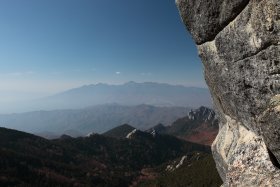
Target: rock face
[{"x": 239, "y": 44}]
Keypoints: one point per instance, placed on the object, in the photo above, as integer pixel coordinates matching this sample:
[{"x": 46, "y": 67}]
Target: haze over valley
[{"x": 98, "y": 108}]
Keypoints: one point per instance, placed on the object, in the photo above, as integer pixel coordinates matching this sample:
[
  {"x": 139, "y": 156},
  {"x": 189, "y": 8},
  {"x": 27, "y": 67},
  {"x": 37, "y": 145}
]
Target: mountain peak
[
  {"x": 129, "y": 135},
  {"x": 65, "y": 137},
  {"x": 159, "y": 128},
  {"x": 130, "y": 93},
  {"x": 120, "y": 131},
  {"x": 203, "y": 113},
  {"x": 200, "y": 126}
]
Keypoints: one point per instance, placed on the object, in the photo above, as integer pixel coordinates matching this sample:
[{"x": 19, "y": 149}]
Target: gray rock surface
[
  {"x": 239, "y": 44},
  {"x": 211, "y": 14}
]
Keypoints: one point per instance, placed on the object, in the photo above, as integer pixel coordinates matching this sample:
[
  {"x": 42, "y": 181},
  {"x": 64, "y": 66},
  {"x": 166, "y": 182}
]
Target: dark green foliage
[
  {"x": 195, "y": 173},
  {"x": 28, "y": 160}
]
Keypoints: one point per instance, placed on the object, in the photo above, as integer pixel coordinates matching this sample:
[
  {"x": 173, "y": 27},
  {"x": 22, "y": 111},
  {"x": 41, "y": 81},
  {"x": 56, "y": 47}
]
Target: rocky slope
[
  {"x": 199, "y": 126},
  {"x": 238, "y": 42},
  {"x": 28, "y": 160},
  {"x": 198, "y": 167}
]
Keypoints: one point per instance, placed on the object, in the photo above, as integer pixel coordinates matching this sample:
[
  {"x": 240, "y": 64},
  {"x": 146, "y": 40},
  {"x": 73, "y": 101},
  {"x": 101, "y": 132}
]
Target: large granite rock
[{"x": 239, "y": 44}]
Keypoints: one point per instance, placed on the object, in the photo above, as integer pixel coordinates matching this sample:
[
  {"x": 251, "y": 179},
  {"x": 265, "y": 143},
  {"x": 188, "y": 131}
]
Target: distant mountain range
[
  {"x": 199, "y": 125},
  {"x": 131, "y": 93},
  {"x": 97, "y": 160},
  {"x": 96, "y": 119}
]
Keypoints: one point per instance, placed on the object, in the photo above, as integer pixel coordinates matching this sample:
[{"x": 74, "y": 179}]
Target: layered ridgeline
[
  {"x": 139, "y": 159},
  {"x": 131, "y": 93},
  {"x": 238, "y": 42},
  {"x": 96, "y": 119},
  {"x": 98, "y": 108},
  {"x": 200, "y": 126}
]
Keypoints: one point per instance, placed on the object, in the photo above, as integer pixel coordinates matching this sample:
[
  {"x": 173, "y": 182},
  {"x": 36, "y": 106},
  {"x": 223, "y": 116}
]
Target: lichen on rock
[{"x": 239, "y": 45}]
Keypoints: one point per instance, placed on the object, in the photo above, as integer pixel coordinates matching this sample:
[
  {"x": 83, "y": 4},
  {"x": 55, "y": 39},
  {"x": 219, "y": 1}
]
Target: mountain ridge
[
  {"x": 96, "y": 119},
  {"x": 29, "y": 160},
  {"x": 199, "y": 125},
  {"x": 119, "y": 132},
  {"x": 130, "y": 93}
]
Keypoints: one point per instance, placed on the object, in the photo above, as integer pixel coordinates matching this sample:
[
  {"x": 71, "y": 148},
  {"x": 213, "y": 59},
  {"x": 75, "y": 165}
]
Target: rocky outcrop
[
  {"x": 239, "y": 45},
  {"x": 198, "y": 126}
]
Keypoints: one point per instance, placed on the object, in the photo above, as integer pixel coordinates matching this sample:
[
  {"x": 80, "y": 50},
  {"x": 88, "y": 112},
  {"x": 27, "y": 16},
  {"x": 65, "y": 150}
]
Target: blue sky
[{"x": 51, "y": 45}]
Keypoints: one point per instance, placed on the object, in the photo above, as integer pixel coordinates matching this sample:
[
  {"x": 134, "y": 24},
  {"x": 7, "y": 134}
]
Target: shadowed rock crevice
[{"x": 273, "y": 159}]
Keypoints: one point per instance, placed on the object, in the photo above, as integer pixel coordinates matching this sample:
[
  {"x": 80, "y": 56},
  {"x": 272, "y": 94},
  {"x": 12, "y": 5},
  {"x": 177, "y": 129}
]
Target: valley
[{"x": 97, "y": 160}]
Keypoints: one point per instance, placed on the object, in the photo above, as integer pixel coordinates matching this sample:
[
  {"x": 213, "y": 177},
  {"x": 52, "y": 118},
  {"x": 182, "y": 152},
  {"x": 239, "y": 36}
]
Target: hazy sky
[{"x": 47, "y": 46}]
